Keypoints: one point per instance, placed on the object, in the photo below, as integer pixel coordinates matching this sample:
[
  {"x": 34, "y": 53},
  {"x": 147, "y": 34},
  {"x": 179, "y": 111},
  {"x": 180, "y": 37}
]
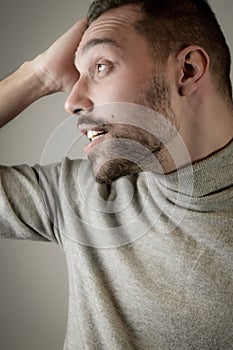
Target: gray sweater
[{"x": 149, "y": 258}]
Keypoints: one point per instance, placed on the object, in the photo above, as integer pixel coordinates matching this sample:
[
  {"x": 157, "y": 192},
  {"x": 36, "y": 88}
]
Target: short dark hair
[{"x": 170, "y": 24}]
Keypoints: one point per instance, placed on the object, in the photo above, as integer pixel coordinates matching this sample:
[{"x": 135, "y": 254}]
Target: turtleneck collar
[{"x": 207, "y": 176}]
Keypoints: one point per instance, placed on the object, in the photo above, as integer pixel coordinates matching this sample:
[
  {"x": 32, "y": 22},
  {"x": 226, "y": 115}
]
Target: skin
[
  {"x": 181, "y": 90},
  {"x": 50, "y": 72},
  {"x": 111, "y": 61}
]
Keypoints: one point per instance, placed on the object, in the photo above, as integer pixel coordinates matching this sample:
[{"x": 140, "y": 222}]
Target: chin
[
  {"x": 113, "y": 170},
  {"x": 120, "y": 157}
]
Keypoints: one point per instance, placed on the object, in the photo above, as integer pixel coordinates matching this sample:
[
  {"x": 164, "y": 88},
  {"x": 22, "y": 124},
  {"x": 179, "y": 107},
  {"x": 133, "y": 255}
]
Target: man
[{"x": 151, "y": 89}]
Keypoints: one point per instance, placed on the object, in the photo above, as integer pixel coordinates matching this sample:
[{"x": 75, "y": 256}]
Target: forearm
[
  {"x": 19, "y": 90},
  {"x": 50, "y": 72}
]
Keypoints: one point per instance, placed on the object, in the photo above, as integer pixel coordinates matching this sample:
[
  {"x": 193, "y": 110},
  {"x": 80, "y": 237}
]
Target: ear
[{"x": 194, "y": 63}]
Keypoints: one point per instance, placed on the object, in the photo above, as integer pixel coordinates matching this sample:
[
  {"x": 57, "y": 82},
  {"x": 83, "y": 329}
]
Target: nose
[{"x": 78, "y": 101}]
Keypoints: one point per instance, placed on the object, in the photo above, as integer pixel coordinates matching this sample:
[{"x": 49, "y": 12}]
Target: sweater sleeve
[{"x": 24, "y": 213}]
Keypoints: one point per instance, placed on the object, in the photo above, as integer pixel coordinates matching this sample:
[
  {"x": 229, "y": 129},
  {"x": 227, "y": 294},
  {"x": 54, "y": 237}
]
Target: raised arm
[{"x": 50, "y": 72}]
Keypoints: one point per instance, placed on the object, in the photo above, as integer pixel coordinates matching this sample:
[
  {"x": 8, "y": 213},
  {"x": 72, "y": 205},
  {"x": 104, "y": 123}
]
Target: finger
[{"x": 80, "y": 26}]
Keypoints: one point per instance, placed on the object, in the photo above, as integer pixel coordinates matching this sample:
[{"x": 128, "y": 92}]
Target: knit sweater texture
[{"x": 149, "y": 257}]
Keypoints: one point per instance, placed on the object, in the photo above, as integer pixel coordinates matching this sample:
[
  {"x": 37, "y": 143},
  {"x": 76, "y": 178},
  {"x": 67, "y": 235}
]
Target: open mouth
[{"x": 94, "y": 134}]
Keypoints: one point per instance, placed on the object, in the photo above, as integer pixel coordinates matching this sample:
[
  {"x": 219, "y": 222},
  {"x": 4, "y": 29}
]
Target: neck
[
  {"x": 205, "y": 127},
  {"x": 208, "y": 127}
]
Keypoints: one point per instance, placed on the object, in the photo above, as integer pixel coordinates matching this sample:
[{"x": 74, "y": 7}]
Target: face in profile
[{"x": 123, "y": 98}]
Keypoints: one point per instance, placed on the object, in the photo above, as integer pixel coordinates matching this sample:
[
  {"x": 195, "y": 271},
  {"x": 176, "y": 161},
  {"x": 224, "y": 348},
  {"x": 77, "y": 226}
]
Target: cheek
[{"x": 117, "y": 88}]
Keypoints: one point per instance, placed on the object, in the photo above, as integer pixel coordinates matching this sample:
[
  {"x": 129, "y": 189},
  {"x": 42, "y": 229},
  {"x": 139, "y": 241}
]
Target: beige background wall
[{"x": 33, "y": 282}]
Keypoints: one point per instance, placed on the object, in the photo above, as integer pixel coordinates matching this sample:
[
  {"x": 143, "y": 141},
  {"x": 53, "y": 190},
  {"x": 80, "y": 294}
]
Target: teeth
[{"x": 92, "y": 134}]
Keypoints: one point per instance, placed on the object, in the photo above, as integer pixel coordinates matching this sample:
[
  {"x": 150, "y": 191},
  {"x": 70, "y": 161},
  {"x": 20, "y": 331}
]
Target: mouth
[{"x": 94, "y": 134}]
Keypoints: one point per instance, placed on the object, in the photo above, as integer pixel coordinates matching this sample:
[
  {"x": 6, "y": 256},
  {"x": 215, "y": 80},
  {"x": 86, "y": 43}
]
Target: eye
[{"x": 102, "y": 69}]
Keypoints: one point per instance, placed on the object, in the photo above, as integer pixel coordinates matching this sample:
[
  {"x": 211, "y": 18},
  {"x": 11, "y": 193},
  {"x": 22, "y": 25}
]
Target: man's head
[{"x": 158, "y": 54}]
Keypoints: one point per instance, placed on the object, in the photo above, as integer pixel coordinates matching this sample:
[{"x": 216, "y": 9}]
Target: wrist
[
  {"x": 35, "y": 81},
  {"x": 45, "y": 81}
]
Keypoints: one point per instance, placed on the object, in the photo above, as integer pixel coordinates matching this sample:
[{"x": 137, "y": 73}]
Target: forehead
[{"x": 116, "y": 24}]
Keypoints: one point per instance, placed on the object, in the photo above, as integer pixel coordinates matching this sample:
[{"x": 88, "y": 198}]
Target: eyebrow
[{"x": 95, "y": 42}]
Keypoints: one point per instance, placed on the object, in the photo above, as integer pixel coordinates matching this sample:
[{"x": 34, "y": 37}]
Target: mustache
[{"x": 91, "y": 121}]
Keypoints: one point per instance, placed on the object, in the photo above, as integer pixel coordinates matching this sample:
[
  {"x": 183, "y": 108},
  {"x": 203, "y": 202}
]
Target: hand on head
[{"x": 55, "y": 66}]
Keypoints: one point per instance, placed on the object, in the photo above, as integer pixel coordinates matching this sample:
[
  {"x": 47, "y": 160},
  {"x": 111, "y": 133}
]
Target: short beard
[
  {"x": 121, "y": 157},
  {"x": 133, "y": 149}
]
